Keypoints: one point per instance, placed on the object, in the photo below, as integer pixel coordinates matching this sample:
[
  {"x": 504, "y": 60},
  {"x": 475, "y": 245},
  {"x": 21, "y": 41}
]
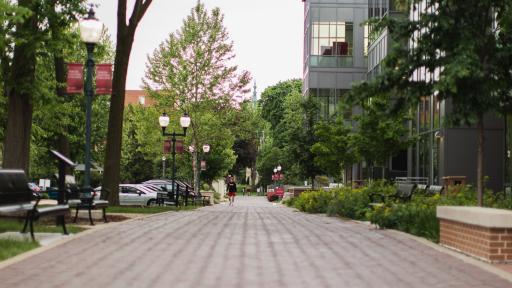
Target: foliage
[
  {"x": 465, "y": 46},
  {"x": 142, "y": 145},
  {"x": 333, "y": 150},
  {"x": 380, "y": 135},
  {"x": 247, "y": 127},
  {"x": 417, "y": 216},
  {"x": 191, "y": 72},
  {"x": 268, "y": 156},
  {"x": 314, "y": 201},
  {"x": 273, "y": 97},
  {"x": 349, "y": 203}
]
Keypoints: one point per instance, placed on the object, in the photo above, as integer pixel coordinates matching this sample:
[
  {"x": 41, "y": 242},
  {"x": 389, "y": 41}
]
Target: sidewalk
[{"x": 251, "y": 244}]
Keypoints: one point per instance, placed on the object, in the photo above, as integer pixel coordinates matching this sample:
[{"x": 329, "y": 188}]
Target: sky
[{"x": 267, "y": 35}]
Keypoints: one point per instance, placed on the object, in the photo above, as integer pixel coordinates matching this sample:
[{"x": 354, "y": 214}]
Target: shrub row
[{"x": 417, "y": 216}]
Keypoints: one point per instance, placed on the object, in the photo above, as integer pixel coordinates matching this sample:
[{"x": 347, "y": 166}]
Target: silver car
[{"x": 133, "y": 195}]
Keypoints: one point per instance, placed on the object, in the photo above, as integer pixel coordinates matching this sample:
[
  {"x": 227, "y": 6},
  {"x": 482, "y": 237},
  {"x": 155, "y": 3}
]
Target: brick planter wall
[{"x": 481, "y": 232}]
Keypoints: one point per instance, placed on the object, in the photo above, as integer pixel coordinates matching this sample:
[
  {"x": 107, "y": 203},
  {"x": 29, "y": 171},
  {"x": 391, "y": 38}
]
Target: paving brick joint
[{"x": 251, "y": 244}]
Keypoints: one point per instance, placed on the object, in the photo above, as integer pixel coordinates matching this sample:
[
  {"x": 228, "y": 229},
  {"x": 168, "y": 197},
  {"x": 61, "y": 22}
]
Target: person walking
[{"x": 231, "y": 190}]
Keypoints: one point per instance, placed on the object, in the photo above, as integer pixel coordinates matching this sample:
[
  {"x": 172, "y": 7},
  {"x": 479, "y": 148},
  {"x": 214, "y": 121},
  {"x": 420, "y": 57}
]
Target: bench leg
[
  {"x": 31, "y": 223},
  {"x": 24, "y": 230},
  {"x": 105, "y": 215},
  {"x": 63, "y": 222},
  {"x": 90, "y": 216},
  {"x": 76, "y": 215}
]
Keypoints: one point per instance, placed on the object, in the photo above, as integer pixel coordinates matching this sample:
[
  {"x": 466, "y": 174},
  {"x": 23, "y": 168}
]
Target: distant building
[{"x": 138, "y": 97}]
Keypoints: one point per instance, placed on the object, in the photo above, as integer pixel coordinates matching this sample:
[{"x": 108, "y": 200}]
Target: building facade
[
  {"x": 441, "y": 151},
  {"x": 335, "y": 54}
]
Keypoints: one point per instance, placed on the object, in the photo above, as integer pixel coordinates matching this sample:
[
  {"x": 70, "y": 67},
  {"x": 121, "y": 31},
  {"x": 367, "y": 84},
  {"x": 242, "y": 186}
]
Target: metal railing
[{"x": 412, "y": 180}]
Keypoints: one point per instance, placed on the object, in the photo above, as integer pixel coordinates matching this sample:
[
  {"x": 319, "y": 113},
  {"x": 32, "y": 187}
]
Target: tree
[
  {"x": 466, "y": 45},
  {"x": 124, "y": 42},
  {"x": 31, "y": 31},
  {"x": 142, "y": 146},
  {"x": 19, "y": 87},
  {"x": 334, "y": 151},
  {"x": 247, "y": 127},
  {"x": 295, "y": 137},
  {"x": 190, "y": 72},
  {"x": 272, "y": 100}
]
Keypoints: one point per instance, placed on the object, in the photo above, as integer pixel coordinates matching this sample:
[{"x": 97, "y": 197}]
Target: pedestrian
[{"x": 231, "y": 190}]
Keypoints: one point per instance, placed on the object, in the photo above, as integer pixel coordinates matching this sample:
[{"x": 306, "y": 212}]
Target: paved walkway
[{"x": 252, "y": 244}]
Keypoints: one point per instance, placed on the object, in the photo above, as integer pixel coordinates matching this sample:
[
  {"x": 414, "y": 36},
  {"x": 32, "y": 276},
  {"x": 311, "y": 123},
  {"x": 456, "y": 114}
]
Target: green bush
[
  {"x": 350, "y": 203},
  {"x": 417, "y": 216},
  {"x": 314, "y": 201}
]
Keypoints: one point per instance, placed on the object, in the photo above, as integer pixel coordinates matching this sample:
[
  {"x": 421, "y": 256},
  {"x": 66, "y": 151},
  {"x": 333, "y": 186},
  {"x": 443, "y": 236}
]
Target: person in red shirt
[{"x": 231, "y": 190}]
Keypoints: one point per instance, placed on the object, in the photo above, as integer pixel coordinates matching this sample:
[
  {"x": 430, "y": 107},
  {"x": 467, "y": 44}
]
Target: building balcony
[{"x": 331, "y": 61}]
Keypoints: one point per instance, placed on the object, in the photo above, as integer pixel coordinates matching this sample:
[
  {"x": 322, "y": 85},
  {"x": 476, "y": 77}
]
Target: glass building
[
  {"x": 441, "y": 151},
  {"x": 335, "y": 54}
]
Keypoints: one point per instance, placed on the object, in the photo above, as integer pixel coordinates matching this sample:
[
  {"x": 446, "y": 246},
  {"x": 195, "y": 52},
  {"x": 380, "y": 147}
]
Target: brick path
[{"x": 252, "y": 244}]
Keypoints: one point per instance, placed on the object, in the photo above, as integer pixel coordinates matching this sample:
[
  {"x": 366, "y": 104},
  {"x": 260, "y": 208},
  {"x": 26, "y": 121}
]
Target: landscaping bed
[{"x": 417, "y": 216}]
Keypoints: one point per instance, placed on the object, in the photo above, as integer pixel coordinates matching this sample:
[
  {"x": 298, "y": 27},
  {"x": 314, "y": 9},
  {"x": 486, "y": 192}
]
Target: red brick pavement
[{"x": 252, "y": 244}]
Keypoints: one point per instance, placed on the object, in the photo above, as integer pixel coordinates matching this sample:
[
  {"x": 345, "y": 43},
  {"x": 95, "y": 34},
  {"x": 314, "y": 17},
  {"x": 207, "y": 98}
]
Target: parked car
[{"x": 134, "y": 195}]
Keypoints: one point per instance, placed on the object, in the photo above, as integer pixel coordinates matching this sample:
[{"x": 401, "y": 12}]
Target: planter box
[{"x": 485, "y": 233}]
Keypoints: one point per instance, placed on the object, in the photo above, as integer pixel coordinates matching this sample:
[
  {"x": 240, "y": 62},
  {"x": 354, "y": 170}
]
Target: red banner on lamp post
[
  {"x": 75, "y": 81},
  {"x": 168, "y": 146},
  {"x": 103, "y": 79}
]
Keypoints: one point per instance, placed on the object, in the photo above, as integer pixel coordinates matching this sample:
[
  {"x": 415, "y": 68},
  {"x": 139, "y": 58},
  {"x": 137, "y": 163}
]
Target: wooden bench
[
  {"x": 16, "y": 196},
  {"x": 80, "y": 199}
]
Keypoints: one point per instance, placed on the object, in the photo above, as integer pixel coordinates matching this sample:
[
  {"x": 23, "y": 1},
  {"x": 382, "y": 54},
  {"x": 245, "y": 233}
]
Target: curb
[{"x": 463, "y": 257}]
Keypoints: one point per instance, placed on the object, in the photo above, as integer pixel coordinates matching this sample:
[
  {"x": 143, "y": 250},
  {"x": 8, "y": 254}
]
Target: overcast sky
[{"x": 267, "y": 35}]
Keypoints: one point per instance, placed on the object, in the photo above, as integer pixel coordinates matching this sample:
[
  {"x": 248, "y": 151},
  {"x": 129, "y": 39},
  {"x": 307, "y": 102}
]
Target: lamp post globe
[
  {"x": 279, "y": 168},
  {"x": 275, "y": 170},
  {"x": 90, "y": 34},
  {"x": 163, "y": 120},
  {"x": 90, "y": 28},
  {"x": 185, "y": 121},
  {"x": 206, "y": 148}
]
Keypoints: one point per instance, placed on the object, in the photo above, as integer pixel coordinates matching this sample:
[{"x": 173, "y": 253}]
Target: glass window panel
[
  {"x": 314, "y": 47},
  {"x": 332, "y": 30},
  {"x": 315, "y": 29},
  {"x": 341, "y": 30},
  {"x": 324, "y": 31},
  {"x": 325, "y": 47}
]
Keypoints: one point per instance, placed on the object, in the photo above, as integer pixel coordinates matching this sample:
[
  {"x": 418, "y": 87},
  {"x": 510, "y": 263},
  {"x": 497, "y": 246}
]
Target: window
[
  {"x": 332, "y": 38},
  {"x": 142, "y": 100}
]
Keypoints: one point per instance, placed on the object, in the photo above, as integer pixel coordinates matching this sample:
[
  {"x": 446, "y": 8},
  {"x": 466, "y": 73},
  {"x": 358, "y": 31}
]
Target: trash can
[{"x": 453, "y": 183}]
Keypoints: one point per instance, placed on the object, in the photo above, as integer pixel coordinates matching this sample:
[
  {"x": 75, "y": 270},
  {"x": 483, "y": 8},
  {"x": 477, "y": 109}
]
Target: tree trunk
[
  {"x": 112, "y": 161},
  {"x": 19, "y": 115},
  {"x": 125, "y": 35},
  {"x": 480, "y": 161}
]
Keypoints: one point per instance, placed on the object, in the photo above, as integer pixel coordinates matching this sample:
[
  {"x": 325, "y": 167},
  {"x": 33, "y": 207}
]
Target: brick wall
[{"x": 491, "y": 244}]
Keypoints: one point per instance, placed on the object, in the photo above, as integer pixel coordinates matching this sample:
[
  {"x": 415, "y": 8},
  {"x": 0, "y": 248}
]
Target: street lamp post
[
  {"x": 163, "y": 167},
  {"x": 206, "y": 149},
  {"x": 164, "y": 122},
  {"x": 90, "y": 33}
]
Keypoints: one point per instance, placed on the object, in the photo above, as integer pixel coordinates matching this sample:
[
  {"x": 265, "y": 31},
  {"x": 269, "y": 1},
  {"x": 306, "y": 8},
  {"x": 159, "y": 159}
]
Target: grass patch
[
  {"x": 11, "y": 248},
  {"x": 148, "y": 210},
  {"x": 46, "y": 226}
]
